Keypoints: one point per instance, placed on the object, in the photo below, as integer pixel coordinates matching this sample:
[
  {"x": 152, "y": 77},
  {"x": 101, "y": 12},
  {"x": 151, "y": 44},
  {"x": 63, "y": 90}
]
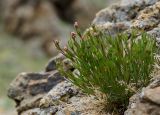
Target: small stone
[
  {"x": 51, "y": 65},
  {"x": 152, "y": 95}
]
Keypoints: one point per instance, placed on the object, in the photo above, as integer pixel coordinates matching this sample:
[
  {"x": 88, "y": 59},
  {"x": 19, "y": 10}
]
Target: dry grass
[{"x": 87, "y": 105}]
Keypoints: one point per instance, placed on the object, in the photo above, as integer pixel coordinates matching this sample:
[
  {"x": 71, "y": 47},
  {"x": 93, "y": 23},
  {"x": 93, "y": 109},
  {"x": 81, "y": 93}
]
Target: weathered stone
[
  {"x": 28, "y": 88},
  {"x": 38, "y": 111},
  {"x": 142, "y": 14},
  {"x": 137, "y": 2},
  {"x": 146, "y": 102},
  {"x": 152, "y": 95},
  {"x": 62, "y": 92},
  {"x": 51, "y": 65}
]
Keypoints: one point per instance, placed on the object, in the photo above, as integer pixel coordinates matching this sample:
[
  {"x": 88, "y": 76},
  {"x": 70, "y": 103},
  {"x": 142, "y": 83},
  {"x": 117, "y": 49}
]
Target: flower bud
[
  {"x": 76, "y": 24},
  {"x": 65, "y": 48},
  {"x": 56, "y": 42},
  {"x": 73, "y": 35}
]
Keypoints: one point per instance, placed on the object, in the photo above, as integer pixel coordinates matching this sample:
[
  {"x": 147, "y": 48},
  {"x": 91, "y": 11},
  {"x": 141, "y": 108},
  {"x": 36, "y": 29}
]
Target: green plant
[{"x": 117, "y": 65}]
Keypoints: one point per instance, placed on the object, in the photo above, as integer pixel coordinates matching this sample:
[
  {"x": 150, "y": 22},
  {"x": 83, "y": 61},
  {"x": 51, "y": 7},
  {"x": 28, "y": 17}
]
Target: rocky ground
[{"x": 48, "y": 92}]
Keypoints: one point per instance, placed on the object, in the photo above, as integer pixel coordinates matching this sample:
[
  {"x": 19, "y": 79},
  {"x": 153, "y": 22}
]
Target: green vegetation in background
[
  {"x": 117, "y": 66},
  {"x": 16, "y": 57}
]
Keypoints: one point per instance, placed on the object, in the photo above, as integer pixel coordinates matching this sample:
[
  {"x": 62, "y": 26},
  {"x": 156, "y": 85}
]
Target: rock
[
  {"x": 142, "y": 14},
  {"x": 38, "y": 111},
  {"x": 152, "y": 95},
  {"x": 146, "y": 102},
  {"x": 51, "y": 65},
  {"x": 28, "y": 88},
  {"x": 137, "y": 2},
  {"x": 62, "y": 92}
]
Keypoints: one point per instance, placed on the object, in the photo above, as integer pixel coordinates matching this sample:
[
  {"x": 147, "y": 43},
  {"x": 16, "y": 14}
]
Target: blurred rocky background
[
  {"x": 41, "y": 21},
  {"x": 27, "y": 29}
]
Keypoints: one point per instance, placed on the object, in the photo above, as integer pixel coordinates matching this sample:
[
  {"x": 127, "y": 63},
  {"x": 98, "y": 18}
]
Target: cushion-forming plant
[{"x": 117, "y": 66}]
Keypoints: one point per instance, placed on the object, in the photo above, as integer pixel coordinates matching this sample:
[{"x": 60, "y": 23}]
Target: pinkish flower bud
[
  {"x": 76, "y": 24},
  {"x": 73, "y": 35},
  {"x": 56, "y": 43},
  {"x": 65, "y": 48}
]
